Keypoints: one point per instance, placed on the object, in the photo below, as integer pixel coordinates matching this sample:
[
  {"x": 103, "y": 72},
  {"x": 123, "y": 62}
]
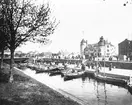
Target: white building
[
  {"x": 105, "y": 48},
  {"x": 101, "y": 49},
  {"x": 83, "y": 45}
]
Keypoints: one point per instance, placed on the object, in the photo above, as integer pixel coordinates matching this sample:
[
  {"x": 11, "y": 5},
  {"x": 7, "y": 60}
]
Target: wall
[{"x": 117, "y": 64}]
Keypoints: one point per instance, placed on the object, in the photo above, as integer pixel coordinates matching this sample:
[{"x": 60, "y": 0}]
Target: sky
[{"x": 88, "y": 19}]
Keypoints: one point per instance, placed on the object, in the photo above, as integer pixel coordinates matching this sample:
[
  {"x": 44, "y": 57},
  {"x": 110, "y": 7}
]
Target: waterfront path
[{"x": 67, "y": 95}]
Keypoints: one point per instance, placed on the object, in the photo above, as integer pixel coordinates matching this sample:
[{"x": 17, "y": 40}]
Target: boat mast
[
  {"x": 104, "y": 57},
  {"x": 98, "y": 96},
  {"x": 105, "y": 94}
]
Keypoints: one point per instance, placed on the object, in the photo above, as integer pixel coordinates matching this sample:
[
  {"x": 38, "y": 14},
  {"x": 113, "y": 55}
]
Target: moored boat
[
  {"x": 111, "y": 80},
  {"x": 129, "y": 84},
  {"x": 73, "y": 75},
  {"x": 55, "y": 73},
  {"x": 49, "y": 69}
]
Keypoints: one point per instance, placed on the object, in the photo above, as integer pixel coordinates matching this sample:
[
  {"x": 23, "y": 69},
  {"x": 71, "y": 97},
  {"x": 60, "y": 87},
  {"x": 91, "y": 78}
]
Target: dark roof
[{"x": 126, "y": 40}]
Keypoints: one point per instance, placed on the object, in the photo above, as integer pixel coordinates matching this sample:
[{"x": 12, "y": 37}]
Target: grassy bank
[{"x": 27, "y": 91}]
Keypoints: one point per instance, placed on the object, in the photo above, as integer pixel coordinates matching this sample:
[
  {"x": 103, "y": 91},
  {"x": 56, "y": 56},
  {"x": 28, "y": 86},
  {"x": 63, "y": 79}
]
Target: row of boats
[{"x": 71, "y": 71}]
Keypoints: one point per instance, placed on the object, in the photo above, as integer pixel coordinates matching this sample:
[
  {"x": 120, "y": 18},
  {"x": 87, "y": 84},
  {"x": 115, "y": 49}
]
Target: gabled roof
[{"x": 126, "y": 40}]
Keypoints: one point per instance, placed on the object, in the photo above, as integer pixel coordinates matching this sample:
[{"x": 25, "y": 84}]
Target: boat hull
[
  {"x": 55, "y": 73},
  {"x": 129, "y": 87},
  {"x": 73, "y": 75},
  {"x": 115, "y": 81}
]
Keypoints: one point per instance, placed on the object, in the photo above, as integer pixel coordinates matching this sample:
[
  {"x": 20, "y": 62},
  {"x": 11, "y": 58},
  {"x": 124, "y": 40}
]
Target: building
[
  {"x": 105, "y": 48},
  {"x": 125, "y": 48},
  {"x": 101, "y": 49},
  {"x": 90, "y": 51},
  {"x": 83, "y": 45}
]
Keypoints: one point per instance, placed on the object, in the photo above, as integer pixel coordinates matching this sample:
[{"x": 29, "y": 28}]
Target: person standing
[
  {"x": 83, "y": 67},
  {"x": 110, "y": 67}
]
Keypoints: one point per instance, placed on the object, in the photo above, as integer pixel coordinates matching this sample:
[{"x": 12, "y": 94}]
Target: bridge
[
  {"x": 16, "y": 60},
  {"x": 48, "y": 60},
  {"x": 117, "y": 64}
]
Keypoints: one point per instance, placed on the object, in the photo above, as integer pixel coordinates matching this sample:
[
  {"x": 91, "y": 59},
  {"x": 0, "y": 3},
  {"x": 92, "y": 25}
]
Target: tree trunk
[
  {"x": 2, "y": 57},
  {"x": 11, "y": 65}
]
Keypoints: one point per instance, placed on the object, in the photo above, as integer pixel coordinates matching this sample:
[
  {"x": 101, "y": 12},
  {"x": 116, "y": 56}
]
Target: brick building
[{"x": 125, "y": 48}]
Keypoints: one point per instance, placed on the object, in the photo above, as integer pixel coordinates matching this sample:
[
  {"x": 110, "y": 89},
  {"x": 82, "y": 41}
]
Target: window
[{"x": 108, "y": 54}]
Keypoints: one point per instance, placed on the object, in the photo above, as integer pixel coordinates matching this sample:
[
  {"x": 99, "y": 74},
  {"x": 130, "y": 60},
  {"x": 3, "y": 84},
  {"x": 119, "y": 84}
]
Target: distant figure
[
  {"x": 97, "y": 69},
  {"x": 110, "y": 67},
  {"x": 88, "y": 65},
  {"x": 73, "y": 71},
  {"x": 99, "y": 65},
  {"x": 92, "y": 65},
  {"x": 65, "y": 66},
  {"x": 83, "y": 67}
]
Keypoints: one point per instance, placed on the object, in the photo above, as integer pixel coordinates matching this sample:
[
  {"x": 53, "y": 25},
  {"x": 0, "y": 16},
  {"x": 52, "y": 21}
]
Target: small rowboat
[
  {"x": 53, "y": 73},
  {"x": 73, "y": 75},
  {"x": 47, "y": 69}
]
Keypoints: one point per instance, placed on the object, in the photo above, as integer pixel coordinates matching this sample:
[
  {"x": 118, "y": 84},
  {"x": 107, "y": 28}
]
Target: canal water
[{"x": 89, "y": 90}]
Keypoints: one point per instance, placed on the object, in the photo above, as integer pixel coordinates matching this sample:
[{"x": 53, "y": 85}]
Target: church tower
[{"x": 83, "y": 44}]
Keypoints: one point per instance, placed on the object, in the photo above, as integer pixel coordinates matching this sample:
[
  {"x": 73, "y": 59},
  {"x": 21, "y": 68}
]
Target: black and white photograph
[{"x": 65, "y": 52}]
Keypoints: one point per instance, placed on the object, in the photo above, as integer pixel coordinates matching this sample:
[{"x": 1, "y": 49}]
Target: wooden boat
[
  {"x": 60, "y": 66},
  {"x": 43, "y": 68},
  {"x": 73, "y": 75},
  {"x": 89, "y": 73},
  {"x": 129, "y": 84},
  {"x": 65, "y": 71},
  {"x": 57, "y": 71},
  {"x": 110, "y": 80},
  {"x": 47, "y": 69},
  {"x": 53, "y": 73},
  {"x": 129, "y": 87}
]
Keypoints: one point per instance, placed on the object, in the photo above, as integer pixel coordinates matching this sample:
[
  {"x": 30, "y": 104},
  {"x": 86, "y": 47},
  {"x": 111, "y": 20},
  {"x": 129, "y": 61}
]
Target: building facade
[
  {"x": 83, "y": 45},
  {"x": 125, "y": 48},
  {"x": 105, "y": 48},
  {"x": 101, "y": 49}
]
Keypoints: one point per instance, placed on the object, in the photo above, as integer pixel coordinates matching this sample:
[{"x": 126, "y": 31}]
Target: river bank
[{"x": 27, "y": 91}]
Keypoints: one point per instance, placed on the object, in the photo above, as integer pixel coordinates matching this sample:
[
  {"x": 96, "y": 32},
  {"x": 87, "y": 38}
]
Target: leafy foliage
[{"x": 25, "y": 21}]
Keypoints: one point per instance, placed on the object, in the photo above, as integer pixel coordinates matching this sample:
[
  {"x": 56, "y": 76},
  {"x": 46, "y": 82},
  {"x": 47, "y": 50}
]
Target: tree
[
  {"x": 2, "y": 48},
  {"x": 25, "y": 21},
  {"x": 2, "y": 41}
]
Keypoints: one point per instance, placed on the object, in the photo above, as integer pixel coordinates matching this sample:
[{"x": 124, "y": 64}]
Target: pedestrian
[
  {"x": 110, "y": 67},
  {"x": 83, "y": 67}
]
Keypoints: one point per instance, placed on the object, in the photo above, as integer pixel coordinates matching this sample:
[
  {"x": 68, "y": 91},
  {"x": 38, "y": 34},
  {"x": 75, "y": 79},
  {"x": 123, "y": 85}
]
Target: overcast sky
[{"x": 88, "y": 19}]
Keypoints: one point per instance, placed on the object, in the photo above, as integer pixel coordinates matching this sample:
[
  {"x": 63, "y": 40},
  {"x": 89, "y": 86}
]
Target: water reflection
[
  {"x": 89, "y": 90},
  {"x": 99, "y": 100}
]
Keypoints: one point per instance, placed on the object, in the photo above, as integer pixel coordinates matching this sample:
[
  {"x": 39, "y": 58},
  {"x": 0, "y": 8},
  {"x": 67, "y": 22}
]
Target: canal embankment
[
  {"x": 117, "y": 64},
  {"x": 25, "y": 90},
  {"x": 31, "y": 73}
]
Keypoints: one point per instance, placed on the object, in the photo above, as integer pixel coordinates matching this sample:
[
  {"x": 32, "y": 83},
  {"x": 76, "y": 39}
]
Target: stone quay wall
[{"x": 117, "y": 64}]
